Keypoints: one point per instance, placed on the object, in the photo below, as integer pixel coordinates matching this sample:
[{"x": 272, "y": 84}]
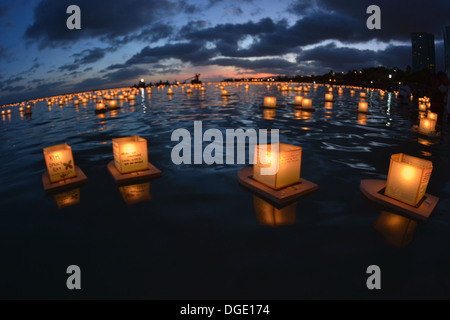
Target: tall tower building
[
  {"x": 423, "y": 52},
  {"x": 447, "y": 50}
]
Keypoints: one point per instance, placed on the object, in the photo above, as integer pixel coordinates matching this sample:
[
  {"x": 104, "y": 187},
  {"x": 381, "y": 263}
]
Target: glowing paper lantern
[
  {"x": 352, "y": 92},
  {"x": 422, "y": 107},
  {"x": 169, "y": 91},
  {"x": 408, "y": 178},
  {"x": 288, "y": 161},
  {"x": 130, "y": 154},
  {"x": 363, "y": 107},
  {"x": 340, "y": 91},
  {"x": 270, "y": 102},
  {"x": 432, "y": 116},
  {"x": 329, "y": 97},
  {"x": 100, "y": 107},
  {"x": 132, "y": 97},
  {"x": 76, "y": 102},
  {"x": 112, "y": 104},
  {"x": 307, "y": 103},
  {"x": 60, "y": 164},
  {"x": 298, "y": 100},
  {"x": 189, "y": 91},
  {"x": 225, "y": 93},
  {"x": 427, "y": 125},
  {"x": 363, "y": 95}
]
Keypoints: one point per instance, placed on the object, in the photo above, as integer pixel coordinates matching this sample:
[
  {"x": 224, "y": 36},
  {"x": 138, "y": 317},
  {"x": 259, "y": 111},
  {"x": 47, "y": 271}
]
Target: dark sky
[{"x": 122, "y": 41}]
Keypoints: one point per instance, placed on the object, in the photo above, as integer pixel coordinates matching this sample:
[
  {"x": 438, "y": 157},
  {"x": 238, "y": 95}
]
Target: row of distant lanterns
[{"x": 109, "y": 99}]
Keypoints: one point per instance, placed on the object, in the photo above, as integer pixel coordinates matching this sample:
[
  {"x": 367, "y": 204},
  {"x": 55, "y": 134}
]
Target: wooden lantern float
[
  {"x": 274, "y": 216},
  {"x": 61, "y": 170},
  {"x": 276, "y": 174},
  {"x": 136, "y": 193},
  {"x": 130, "y": 162},
  {"x": 405, "y": 189},
  {"x": 397, "y": 231},
  {"x": 270, "y": 102}
]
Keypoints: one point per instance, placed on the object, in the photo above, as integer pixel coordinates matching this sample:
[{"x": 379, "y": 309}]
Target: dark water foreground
[{"x": 204, "y": 237}]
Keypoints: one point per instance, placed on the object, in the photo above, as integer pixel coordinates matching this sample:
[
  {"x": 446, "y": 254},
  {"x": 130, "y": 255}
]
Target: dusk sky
[{"x": 122, "y": 41}]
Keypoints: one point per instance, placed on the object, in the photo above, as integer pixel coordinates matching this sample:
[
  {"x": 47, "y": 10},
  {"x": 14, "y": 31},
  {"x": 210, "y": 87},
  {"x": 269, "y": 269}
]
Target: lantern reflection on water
[
  {"x": 271, "y": 216},
  {"x": 397, "y": 231},
  {"x": 68, "y": 198},
  {"x": 136, "y": 193},
  {"x": 408, "y": 178}
]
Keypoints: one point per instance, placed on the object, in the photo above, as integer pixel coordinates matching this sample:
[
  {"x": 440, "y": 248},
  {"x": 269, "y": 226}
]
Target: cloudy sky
[{"x": 122, "y": 41}]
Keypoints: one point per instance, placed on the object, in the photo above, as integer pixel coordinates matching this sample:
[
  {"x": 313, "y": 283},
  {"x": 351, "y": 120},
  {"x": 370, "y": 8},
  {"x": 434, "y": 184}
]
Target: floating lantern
[
  {"x": 340, "y": 91},
  {"x": 203, "y": 89},
  {"x": 298, "y": 100},
  {"x": 60, "y": 164},
  {"x": 130, "y": 154},
  {"x": 225, "y": 93},
  {"x": 396, "y": 230},
  {"x": 271, "y": 216},
  {"x": 352, "y": 92},
  {"x": 9, "y": 111},
  {"x": 432, "y": 116},
  {"x": 408, "y": 178},
  {"x": 330, "y": 90},
  {"x": 422, "y": 107},
  {"x": 3, "y": 113},
  {"x": 100, "y": 107},
  {"x": 427, "y": 126},
  {"x": 329, "y": 97},
  {"x": 307, "y": 103},
  {"x": 363, "y": 95},
  {"x": 132, "y": 97},
  {"x": 112, "y": 105},
  {"x": 189, "y": 91},
  {"x": 21, "y": 109},
  {"x": 246, "y": 87},
  {"x": 84, "y": 100},
  {"x": 288, "y": 161},
  {"x": 363, "y": 107},
  {"x": 170, "y": 91},
  {"x": 76, "y": 102},
  {"x": 270, "y": 102},
  {"x": 121, "y": 97}
]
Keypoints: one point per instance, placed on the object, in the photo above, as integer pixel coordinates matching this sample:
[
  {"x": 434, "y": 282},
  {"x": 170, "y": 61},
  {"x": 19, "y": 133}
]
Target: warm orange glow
[
  {"x": 307, "y": 103},
  {"x": 287, "y": 160},
  {"x": 408, "y": 178},
  {"x": 60, "y": 163},
  {"x": 270, "y": 102},
  {"x": 363, "y": 106},
  {"x": 396, "y": 230},
  {"x": 329, "y": 97},
  {"x": 269, "y": 215},
  {"x": 427, "y": 125},
  {"x": 130, "y": 154},
  {"x": 298, "y": 100}
]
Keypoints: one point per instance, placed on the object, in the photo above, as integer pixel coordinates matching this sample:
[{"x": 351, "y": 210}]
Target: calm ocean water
[{"x": 202, "y": 236}]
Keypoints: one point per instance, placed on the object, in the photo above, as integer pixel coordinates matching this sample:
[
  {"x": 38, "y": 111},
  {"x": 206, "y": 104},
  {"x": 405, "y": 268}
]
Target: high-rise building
[
  {"x": 447, "y": 50},
  {"x": 423, "y": 51}
]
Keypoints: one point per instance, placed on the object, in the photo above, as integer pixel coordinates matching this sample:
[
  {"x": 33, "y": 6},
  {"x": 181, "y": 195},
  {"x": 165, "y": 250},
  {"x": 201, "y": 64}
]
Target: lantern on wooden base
[
  {"x": 136, "y": 193},
  {"x": 274, "y": 216},
  {"x": 130, "y": 162},
  {"x": 276, "y": 174},
  {"x": 61, "y": 170},
  {"x": 396, "y": 230},
  {"x": 405, "y": 189}
]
